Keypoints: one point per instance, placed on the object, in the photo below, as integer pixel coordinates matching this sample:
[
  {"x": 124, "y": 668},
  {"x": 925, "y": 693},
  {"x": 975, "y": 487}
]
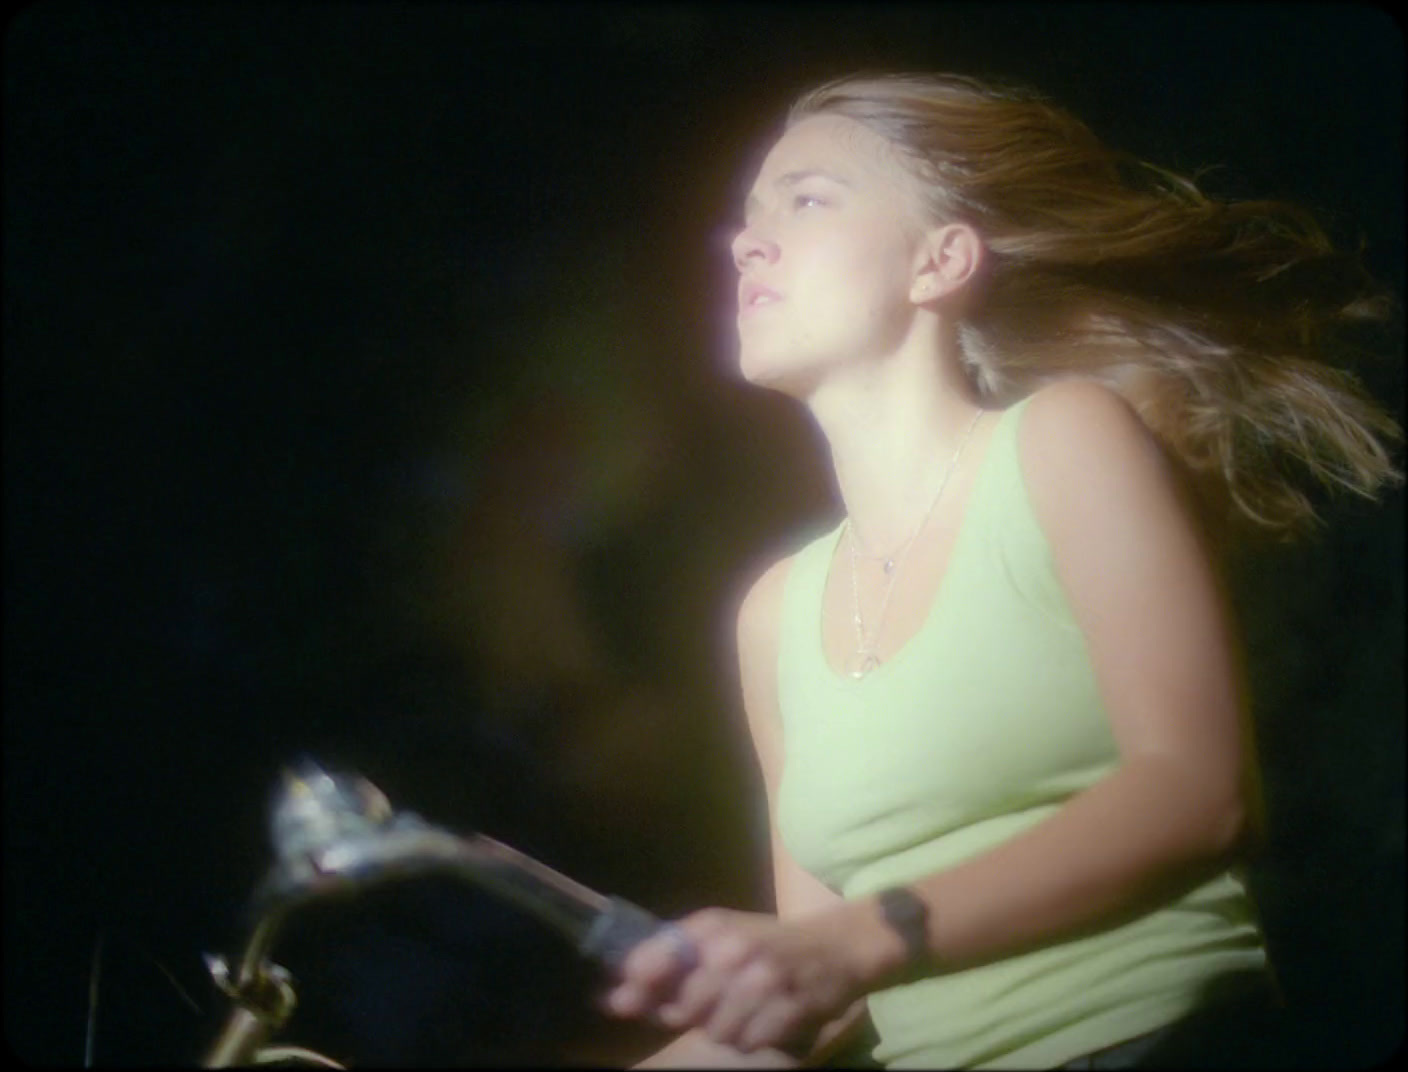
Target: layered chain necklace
[{"x": 865, "y": 658}]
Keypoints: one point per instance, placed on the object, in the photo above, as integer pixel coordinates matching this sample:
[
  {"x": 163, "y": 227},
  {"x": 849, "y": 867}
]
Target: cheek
[
  {"x": 872, "y": 291},
  {"x": 875, "y": 262},
  {"x": 851, "y": 279}
]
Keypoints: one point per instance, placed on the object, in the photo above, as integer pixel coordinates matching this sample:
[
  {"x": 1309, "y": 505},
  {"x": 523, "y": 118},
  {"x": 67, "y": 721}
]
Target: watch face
[
  {"x": 908, "y": 915},
  {"x": 902, "y": 903},
  {"x": 903, "y": 906}
]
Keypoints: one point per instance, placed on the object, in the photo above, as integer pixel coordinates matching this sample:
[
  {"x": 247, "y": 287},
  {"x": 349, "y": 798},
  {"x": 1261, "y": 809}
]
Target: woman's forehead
[
  {"x": 838, "y": 148},
  {"x": 832, "y": 143}
]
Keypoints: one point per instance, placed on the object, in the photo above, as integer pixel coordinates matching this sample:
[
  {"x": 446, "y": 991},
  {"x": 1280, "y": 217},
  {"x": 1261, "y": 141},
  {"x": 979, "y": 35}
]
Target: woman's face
[{"x": 827, "y": 254}]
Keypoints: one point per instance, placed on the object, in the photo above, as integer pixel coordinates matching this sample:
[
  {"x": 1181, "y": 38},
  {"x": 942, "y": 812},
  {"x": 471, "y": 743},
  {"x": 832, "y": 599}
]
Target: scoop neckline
[{"x": 960, "y": 541}]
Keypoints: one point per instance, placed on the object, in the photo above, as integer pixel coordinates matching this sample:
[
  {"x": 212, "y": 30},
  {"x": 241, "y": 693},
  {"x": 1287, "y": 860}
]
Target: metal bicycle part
[{"x": 336, "y": 834}]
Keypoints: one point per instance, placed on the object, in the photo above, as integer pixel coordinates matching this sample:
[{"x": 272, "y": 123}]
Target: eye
[{"x": 807, "y": 201}]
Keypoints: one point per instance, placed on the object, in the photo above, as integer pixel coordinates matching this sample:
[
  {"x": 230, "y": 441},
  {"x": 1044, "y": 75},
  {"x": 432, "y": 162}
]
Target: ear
[{"x": 949, "y": 257}]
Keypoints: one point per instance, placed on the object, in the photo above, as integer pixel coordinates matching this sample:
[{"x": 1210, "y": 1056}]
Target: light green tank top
[{"x": 980, "y": 726}]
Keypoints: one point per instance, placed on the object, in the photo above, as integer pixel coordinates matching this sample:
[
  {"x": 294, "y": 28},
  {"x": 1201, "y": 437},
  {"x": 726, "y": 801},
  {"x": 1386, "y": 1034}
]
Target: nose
[{"x": 751, "y": 245}]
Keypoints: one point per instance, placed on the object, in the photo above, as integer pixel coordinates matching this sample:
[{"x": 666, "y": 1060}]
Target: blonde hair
[{"x": 1221, "y": 322}]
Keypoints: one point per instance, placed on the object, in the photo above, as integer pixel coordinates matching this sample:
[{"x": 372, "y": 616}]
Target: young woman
[{"x": 998, "y": 710}]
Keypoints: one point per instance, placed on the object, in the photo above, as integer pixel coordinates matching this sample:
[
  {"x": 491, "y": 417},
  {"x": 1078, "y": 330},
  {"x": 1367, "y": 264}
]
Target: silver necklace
[{"x": 865, "y": 658}]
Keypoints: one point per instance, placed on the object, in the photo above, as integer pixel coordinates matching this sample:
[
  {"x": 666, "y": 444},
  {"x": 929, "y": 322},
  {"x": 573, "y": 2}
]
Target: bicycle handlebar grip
[{"x": 621, "y": 927}]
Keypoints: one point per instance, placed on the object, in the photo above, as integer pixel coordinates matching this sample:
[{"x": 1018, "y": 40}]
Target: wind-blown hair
[{"x": 1223, "y": 323}]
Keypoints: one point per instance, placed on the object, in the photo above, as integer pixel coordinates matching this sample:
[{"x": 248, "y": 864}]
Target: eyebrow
[{"x": 792, "y": 178}]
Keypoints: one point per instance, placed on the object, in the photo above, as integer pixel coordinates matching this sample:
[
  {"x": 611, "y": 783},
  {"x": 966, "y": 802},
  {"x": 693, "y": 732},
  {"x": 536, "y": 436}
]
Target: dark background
[{"x": 368, "y": 394}]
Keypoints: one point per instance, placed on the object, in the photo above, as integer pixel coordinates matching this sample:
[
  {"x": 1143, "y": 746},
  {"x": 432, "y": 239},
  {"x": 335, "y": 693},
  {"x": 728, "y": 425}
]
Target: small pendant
[
  {"x": 889, "y": 565},
  {"x": 862, "y": 663}
]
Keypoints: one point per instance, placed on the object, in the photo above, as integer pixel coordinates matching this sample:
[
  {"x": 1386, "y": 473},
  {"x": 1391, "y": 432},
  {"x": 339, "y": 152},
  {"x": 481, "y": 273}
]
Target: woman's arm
[
  {"x": 797, "y": 893},
  {"x": 1143, "y": 590},
  {"x": 1145, "y": 595}
]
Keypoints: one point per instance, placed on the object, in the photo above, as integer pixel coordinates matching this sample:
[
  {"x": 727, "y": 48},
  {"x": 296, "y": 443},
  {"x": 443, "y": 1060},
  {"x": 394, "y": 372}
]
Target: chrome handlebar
[{"x": 335, "y": 834}]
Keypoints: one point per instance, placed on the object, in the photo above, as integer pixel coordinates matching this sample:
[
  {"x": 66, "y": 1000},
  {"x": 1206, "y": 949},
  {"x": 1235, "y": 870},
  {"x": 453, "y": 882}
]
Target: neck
[{"x": 893, "y": 427}]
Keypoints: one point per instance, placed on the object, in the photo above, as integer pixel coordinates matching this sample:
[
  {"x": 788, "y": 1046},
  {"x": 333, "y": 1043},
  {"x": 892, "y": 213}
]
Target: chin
[
  {"x": 757, "y": 368},
  {"x": 776, "y": 376}
]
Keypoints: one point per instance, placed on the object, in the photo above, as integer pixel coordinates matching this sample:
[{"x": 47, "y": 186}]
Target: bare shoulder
[
  {"x": 1083, "y": 446},
  {"x": 761, "y": 606},
  {"x": 759, "y": 633},
  {"x": 1076, "y": 415}
]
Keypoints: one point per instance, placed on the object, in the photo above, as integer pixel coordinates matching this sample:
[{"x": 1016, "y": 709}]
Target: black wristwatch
[{"x": 909, "y": 916}]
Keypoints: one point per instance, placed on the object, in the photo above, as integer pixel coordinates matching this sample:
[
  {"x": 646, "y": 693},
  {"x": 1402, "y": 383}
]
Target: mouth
[{"x": 754, "y": 295}]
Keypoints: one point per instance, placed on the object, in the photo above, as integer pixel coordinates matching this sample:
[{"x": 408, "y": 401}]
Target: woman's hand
[{"x": 749, "y": 980}]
